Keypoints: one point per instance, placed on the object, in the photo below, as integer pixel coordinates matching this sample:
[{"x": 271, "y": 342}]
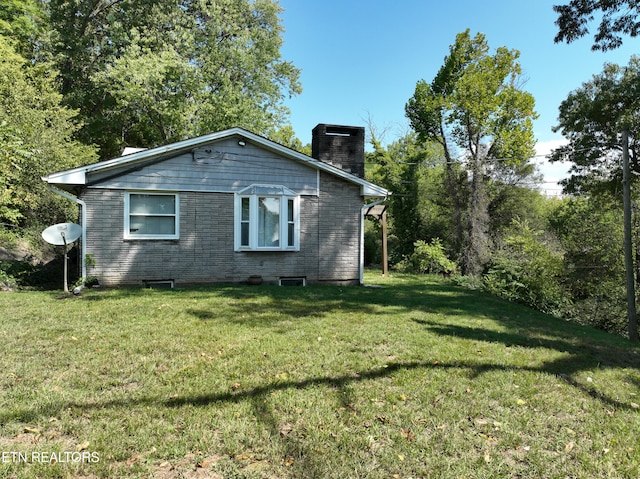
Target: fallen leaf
[
  {"x": 82, "y": 446},
  {"x": 635, "y": 406},
  {"x": 408, "y": 435},
  {"x": 401, "y": 457},
  {"x": 133, "y": 459},
  {"x": 32, "y": 430},
  {"x": 285, "y": 430},
  {"x": 569, "y": 447},
  {"x": 521, "y": 402}
]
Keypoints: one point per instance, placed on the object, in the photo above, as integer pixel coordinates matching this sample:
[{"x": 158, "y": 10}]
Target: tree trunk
[{"x": 476, "y": 252}]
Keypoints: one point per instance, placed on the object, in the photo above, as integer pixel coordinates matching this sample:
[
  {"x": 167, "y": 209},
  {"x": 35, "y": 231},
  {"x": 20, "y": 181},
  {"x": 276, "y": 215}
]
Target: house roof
[{"x": 78, "y": 177}]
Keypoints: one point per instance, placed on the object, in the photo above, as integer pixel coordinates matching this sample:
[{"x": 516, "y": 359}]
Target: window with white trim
[
  {"x": 267, "y": 219},
  {"x": 151, "y": 215}
]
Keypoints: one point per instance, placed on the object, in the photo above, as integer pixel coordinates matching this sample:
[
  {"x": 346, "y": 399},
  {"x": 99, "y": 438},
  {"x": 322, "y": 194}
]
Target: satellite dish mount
[{"x": 63, "y": 234}]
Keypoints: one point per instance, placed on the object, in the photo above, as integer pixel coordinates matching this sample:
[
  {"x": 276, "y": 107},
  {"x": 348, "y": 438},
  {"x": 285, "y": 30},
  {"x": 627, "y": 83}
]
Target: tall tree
[
  {"x": 592, "y": 118},
  {"x": 35, "y": 138},
  {"x": 618, "y": 17},
  {"x": 475, "y": 109},
  {"x": 150, "y": 72}
]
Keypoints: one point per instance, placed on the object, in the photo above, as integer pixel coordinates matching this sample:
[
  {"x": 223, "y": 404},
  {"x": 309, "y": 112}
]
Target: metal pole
[
  {"x": 628, "y": 247},
  {"x": 66, "y": 288}
]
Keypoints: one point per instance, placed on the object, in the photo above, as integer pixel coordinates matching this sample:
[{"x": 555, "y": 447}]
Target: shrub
[
  {"x": 428, "y": 258},
  {"x": 526, "y": 270}
]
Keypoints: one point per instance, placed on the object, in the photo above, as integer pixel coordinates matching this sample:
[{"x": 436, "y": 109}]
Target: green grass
[{"x": 416, "y": 378}]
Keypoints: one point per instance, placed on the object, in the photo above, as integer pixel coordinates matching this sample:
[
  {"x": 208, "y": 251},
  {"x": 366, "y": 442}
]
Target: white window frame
[
  {"x": 127, "y": 216},
  {"x": 253, "y": 193}
]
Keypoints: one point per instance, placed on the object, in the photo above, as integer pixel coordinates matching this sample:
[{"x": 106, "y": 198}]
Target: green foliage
[
  {"x": 592, "y": 118},
  {"x": 617, "y": 18},
  {"x": 475, "y": 110},
  {"x": 591, "y": 234},
  {"x": 412, "y": 170},
  {"x": 152, "y": 72},
  {"x": 525, "y": 269},
  {"x": 24, "y": 23},
  {"x": 36, "y": 138},
  {"x": 428, "y": 258},
  {"x": 7, "y": 281},
  {"x": 287, "y": 137}
]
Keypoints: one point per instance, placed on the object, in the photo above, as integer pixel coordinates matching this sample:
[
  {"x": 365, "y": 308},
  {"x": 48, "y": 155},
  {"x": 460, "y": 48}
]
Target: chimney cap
[{"x": 339, "y": 130}]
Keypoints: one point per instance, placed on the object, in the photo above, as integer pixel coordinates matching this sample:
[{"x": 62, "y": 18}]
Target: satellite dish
[{"x": 62, "y": 233}]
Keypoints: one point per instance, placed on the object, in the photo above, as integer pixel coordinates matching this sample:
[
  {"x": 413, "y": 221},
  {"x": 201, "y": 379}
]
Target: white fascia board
[
  {"x": 375, "y": 191},
  {"x": 77, "y": 176}
]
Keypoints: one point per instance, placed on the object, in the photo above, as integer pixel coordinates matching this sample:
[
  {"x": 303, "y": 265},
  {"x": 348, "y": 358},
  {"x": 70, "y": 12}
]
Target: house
[{"x": 225, "y": 207}]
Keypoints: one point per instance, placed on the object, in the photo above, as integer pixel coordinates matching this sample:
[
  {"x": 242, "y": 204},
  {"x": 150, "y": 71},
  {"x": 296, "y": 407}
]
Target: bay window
[{"x": 267, "y": 218}]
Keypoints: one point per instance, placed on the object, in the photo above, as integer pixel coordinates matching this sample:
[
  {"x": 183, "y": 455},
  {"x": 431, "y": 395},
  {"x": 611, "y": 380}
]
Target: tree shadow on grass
[
  {"x": 582, "y": 355},
  {"x": 562, "y": 368},
  {"x": 583, "y": 352},
  {"x": 284, "y": 435}
]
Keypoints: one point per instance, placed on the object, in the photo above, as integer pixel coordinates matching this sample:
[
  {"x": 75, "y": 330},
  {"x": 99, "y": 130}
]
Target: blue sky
[{"x": 361, "y": 59}]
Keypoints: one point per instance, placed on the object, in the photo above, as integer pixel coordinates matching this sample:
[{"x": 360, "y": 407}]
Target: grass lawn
[{"x": 416, "y": 378}]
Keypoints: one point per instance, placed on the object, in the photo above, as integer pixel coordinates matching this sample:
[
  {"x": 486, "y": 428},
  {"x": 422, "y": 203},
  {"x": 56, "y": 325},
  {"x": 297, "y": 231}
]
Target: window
[
  {"x": 267, "y": 219},
  {"x": 151, "y": 216}
]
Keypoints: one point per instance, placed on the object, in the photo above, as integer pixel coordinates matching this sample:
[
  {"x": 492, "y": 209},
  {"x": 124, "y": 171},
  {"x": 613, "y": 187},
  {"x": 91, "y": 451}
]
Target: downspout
[
  {"x": 362, "y": 210},
  {"x": 83, "y": 220}
]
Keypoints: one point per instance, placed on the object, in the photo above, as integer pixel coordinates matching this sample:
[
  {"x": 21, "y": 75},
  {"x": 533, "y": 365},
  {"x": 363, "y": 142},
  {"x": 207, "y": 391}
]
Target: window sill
[
  {"x": 266, "y": 250},
  {"x": 151, "y": 238}
]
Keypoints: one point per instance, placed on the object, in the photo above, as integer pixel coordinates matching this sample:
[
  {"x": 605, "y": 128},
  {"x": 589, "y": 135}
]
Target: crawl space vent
[
  {"x": 161, "y": 284},
  {"x": 292, "y": 281}
]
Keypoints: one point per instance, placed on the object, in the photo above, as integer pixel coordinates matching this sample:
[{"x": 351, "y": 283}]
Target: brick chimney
[{"x": 340, "y": 146}]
